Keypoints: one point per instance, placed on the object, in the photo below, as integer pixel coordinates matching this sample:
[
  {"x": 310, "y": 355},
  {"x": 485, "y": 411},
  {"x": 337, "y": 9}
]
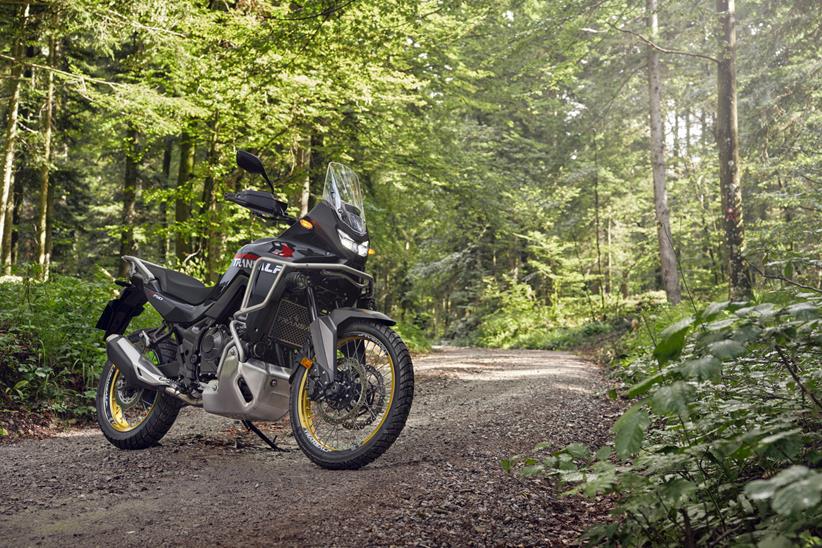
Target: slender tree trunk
[
  {"x": 211, "y": 243},
  {"x": 130, "y": 189},
  {"x": 182, "y": 208},
  {"x": 10, "y": 141},
  {"x": 44, "y": 209},
  {"x": 14, "y": 235},
  {"x": 687, "y": 132},
  {"x": 302, "y": 168},
  {"x": 667, "y": 257},
  {"x": 727, "y": 140},
  {"x": 165, "y": 242},
  {"x": 601, "y": 276},
  {"x": 677, "y": 144},
  {"x": 8, "y": 229}
]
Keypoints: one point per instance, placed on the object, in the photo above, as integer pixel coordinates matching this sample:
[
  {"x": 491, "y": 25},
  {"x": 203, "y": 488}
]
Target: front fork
[{"x": 323, "y": 333}]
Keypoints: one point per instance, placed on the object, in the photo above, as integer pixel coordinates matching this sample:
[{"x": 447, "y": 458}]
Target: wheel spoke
[{"x": 367, "y": 376}]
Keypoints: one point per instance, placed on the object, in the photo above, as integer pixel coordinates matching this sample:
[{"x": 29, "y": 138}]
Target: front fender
[{"x": 324, "y": 334}]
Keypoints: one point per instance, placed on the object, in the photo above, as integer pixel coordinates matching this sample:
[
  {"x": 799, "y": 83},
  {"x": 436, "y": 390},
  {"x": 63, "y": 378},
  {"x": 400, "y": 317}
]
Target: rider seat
[{"x": 180, "y": 286}]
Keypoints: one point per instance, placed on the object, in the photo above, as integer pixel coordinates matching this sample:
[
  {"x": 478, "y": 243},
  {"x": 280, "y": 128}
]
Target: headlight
[{"x": 351, "y": 245}]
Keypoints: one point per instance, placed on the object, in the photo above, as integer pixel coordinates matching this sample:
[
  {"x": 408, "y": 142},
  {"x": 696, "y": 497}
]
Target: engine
[{"x": 211, "y": 349}]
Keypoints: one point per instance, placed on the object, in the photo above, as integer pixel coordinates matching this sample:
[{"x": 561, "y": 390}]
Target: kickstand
[{"x": 271, "y": 443}]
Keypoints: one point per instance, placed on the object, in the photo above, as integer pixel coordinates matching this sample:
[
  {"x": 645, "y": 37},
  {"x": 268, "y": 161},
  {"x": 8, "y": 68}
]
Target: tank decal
[{"x": 244, "y": 260}]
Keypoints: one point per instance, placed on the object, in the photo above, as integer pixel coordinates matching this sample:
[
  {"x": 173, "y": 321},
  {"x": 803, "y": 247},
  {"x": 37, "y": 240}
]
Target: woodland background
[{"x": 539, "y": 173}]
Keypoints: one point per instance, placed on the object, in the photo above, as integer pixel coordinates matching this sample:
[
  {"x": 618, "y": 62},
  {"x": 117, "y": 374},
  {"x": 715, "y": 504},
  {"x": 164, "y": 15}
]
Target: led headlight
[{"x": 351, "y": 245}]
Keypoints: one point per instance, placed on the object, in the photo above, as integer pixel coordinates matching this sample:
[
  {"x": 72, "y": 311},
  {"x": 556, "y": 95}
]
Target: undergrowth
[
  {"x": 51, "y": 352},
  {"x": 722, "y": 443}
]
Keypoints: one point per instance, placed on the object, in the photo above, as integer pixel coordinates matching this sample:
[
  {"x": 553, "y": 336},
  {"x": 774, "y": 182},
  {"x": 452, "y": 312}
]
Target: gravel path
[{"x": 440, "y": 484}]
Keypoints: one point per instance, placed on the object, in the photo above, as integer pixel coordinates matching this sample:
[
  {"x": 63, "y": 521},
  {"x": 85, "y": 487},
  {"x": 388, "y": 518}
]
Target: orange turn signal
[
  {"x": 306, "y": 224},
  {"x": 372, "y": 251},
  {"x": 305, "y": 362}
]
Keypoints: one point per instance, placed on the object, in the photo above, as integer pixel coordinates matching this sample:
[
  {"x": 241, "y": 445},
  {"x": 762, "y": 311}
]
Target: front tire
[
  {"x": 135, "y": 418},
  {"x": 375, "y": 369}
]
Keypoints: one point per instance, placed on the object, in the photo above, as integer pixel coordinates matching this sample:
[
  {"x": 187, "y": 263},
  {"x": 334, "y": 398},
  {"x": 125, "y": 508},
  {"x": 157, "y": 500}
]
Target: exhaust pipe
[{"x": 137, "y": 370}]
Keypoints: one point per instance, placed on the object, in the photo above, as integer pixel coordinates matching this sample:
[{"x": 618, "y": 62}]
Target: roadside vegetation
[{"x": 720, "y": 440}]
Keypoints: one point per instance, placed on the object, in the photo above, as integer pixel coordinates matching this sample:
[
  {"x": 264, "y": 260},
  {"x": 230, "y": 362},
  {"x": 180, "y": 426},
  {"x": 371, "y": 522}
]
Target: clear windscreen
[{"x": 343, "y": 192}]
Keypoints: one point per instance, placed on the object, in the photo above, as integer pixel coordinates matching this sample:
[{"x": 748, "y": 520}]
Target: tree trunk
[
  {"x": 8, "y": 240},
  {"x": 165, "y": 242},
  {"x": 302, "y": 169},
  {"x": 182, "y": 208},
  {"x": 667, "y": 257},
  {"x": 11, "y": 126},
  {"x": 44, "y": 210},
  {"x": 601, "y": 275},
  {"x": 727, "y": 140},
  {"x": 211, "y": 243},
  {"x": 16, "y": 200},
  {"x": 129, "y": 198}
]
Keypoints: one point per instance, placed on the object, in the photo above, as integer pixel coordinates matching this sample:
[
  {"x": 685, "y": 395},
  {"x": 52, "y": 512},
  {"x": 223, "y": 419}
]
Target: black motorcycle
[{"x": 289, "y": 328}]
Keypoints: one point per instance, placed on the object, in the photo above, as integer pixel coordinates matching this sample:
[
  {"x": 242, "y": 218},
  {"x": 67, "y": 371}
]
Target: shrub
[
  {"x": 722, "y": 444},
  {"x": 52, "y": 353}
]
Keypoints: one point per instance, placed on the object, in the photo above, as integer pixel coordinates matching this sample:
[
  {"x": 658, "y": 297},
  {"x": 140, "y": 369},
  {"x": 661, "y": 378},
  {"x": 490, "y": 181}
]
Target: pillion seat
[{"x": 180, "y": 286}]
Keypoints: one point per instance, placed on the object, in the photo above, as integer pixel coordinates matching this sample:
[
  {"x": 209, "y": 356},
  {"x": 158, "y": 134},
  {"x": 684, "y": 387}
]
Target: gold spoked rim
[
  {"x": 126, "y": 408},
  {"x": 368, "y": 366}
]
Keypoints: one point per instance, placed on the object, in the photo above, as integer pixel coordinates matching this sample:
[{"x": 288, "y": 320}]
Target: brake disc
[{"x": 352, "y": 368}]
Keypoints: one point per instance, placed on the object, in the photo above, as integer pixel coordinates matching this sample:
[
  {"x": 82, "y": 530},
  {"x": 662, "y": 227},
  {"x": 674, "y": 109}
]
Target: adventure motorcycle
[{"x": 289, "y": 328}]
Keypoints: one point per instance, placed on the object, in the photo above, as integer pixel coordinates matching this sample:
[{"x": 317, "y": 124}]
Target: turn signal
[
  {"x": 305, "y": 362},
  {"x": 306, "y": 224},
  {"x": 372, "y": 251}
]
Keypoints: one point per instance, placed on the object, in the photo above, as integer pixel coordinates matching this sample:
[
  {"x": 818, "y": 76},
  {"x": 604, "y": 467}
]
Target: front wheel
[{"x": 356, "y": 419}]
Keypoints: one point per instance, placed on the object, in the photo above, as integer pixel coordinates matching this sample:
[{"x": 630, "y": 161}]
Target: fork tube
[{"x": 312, "y": 303}]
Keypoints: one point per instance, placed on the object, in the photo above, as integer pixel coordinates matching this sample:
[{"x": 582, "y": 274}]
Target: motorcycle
[{"x": 290, "y": 328}]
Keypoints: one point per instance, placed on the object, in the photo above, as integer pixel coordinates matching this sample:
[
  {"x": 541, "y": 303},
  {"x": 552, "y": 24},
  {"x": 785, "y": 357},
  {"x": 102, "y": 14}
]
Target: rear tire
[
  {"x": 161, "y": 412},
  {"x": 389, "y": 422}
]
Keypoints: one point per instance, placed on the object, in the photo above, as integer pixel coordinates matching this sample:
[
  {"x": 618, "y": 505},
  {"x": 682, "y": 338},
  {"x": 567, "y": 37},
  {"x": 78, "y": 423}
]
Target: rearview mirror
[
  {"x": 252, "y": 164},
  {"x": 249, "y": 162}
]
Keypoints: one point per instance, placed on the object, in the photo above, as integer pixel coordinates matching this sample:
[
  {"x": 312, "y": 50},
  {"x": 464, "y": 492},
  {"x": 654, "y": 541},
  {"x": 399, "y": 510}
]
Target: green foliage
[
  {"x": 52, "y": 354},
  {"x": 414, "y": 337},
  {"x": 723, "y": 445},
  {"x": 510, "y": 316}
]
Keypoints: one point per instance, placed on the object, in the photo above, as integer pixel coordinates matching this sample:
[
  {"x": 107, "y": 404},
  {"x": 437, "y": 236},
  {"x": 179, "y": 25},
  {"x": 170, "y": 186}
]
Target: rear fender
[
  {"x": 324, "y": 334},
  {"x": 118, "y": 312}
]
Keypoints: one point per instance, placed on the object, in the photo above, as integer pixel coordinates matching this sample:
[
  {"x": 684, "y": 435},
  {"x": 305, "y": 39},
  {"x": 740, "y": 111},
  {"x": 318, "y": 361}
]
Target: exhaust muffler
[{"x": 137, "y": 370}]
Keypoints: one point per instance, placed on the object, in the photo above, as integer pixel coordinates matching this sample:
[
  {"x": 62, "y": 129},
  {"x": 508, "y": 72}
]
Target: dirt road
[{"x": 212, "y": 484}]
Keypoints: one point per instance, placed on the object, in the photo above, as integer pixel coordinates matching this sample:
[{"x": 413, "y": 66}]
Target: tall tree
[
  {"x": 667, "y": 257},
  {"x": 182, "y": 205},
  {"x": 301, "y": 151},
  {"x": 727, "y": 140},
  {"x": 44, "y": 202},
  {"x": 12, "y": 113},
  {"x": 130, "y": 191}
]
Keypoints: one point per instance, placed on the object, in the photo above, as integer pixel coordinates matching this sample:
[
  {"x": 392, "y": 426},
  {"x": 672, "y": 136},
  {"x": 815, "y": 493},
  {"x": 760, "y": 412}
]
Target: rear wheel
[
  {"x": 354, "y": 421},
  {"x": 135, "y": 418}
]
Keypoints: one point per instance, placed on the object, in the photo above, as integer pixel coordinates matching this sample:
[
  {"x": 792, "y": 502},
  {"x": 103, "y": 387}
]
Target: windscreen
[{"x": 342, "y": 190}]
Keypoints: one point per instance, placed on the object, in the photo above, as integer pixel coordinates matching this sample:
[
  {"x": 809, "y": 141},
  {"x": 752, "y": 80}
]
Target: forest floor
[{"x": 440, "y": 484}]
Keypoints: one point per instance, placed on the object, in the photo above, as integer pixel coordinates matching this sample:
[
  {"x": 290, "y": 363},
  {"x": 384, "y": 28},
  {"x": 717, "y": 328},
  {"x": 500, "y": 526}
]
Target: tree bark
[
  {"x": 10, "y": 141},
  {"x": 182, "y": 207},
  {"x": 165, "y": 242},
  {"x": 8, "y": 237},
  {"x": 44, "y": 210},
  {"x": 302, "y": 169},
  {"x": 130, "y": 189},
  {"x": 211, "y": 243},
  {"x": 727, "y": 140},
  {"x": 667, "y": 257}
]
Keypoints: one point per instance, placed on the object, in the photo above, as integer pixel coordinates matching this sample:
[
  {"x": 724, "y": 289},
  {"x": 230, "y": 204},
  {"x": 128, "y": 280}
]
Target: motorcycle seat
[{"x": 180, "y": 286}]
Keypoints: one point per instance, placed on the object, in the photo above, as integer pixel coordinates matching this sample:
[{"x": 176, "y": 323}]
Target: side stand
[{"x": 271, "y": 443}]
